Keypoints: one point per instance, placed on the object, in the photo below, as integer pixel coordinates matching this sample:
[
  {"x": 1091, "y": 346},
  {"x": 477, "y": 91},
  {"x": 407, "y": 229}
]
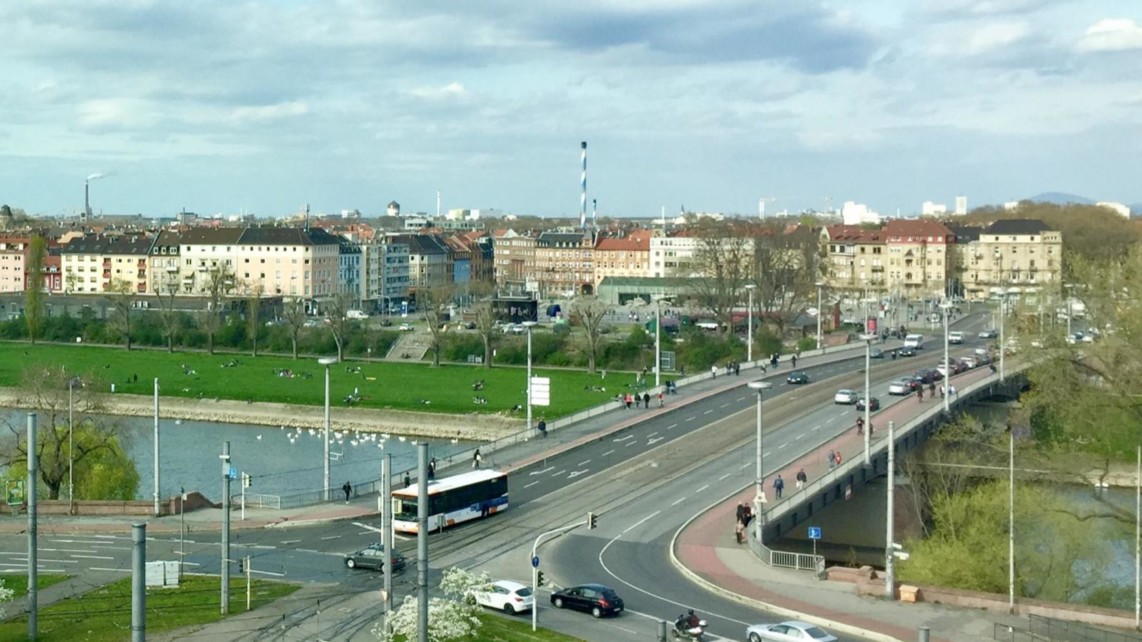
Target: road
[{"x": 645, "y": 482}]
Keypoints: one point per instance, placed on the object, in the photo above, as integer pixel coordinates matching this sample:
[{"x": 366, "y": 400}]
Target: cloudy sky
[{"x": 223, "y": 106}]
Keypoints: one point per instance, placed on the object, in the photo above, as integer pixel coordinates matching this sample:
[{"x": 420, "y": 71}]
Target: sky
[{"x": 262, "y": 107}]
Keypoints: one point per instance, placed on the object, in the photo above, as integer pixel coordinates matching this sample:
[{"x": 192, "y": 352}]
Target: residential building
[
  {"x": 1014, "y": 255},
  {"x": 429, "y": 260},
  {"x": 514, "y": 259},
  {"x": 564, "y": 264},
  {"x": 349, "y": 268},
  {"x": 855, "y": 259},
  {"x": 384, "y": 274},
  {"x": 623, "y": 256},
  {"x": 96, "y": 263},
  {"x": 918, "y": 258},
  {"x": 13, "y": 259},
  {"x": 165, "y": 267}
]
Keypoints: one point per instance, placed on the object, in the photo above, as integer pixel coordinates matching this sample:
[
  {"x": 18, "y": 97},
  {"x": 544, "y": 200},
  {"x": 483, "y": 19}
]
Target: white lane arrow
[{"x": 575, "y": 473}]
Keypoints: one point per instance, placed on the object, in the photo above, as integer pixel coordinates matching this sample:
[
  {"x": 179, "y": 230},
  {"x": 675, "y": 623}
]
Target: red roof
[{"x": 917, "y": 230}]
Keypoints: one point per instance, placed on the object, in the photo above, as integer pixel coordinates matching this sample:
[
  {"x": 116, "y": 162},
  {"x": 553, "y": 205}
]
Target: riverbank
[{"x": 468, "y": 427}]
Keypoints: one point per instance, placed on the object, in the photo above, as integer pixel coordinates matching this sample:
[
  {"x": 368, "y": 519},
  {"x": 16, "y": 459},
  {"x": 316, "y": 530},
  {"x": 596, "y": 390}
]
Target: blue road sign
[
  {"x": 535, "y": 562},
  {"x": 233, "y": 474},
  {"x": 814, "y": 532}
]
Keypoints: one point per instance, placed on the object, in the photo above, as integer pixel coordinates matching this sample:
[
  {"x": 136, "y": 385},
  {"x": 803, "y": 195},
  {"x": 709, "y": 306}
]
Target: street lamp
[
  {"x": 1002, "y": 312},
  {"x": 946, "y": 306},
  {"x": 658, "y": 340},
  {"x": 820, "y": 314},
  {"x": 759, "y": 480},
  {"x": 71, "y": 383},
  {"x": 327, "y": 361},
  {"x": 529, "y": 325},
  {"x": 749, "y": 324},
  {"x": 867, "y": 338}
]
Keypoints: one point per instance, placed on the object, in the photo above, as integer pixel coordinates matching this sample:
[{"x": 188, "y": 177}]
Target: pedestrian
[
  {"x": 714, "y": 372},
  {"x": 407, "y": 480},
  {"x": 860, "y": 426},
  {"x": 778, "y": 486},
  {"x": 737, "y": 369},
  {"x": 348, "y": 488},
  {"x": 646, "y": 400},
  {"x": 741, "y": 512},
  {"x": 920, "y": 394},
  {"x": 628, "y": 400},
  {"x": 729, "y": 368},
  {"x": 943, "y": 391},
  {"x": 661, "y": 399},
  {"x": 801, "y": 479},
  {"x": 432, "y": 469},
  {"x": 932, "y": 390},
  {"x": 953, "y": 392},
  {"x": 477, "y": 458},
  {"x": 832, "y": 460},
  {"x": 637, "y": 401},
  {"x": 747, "y": 514},
  {"x": 837, "y": 457},
  {"x": 793, "y": 360},
  {"x": 542, "y": 426}
]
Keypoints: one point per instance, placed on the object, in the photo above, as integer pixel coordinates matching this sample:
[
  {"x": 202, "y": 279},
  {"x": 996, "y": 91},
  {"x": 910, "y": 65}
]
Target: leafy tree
[
  {"x": 293, "y": 312},
  {"x": 433, "y": 303},
  {"x": 171, "y": 322},
  {"x": 786, "y": 270},
  {"x": 486, "y": 328},
  {"x": 589, "y": 311},
  {"x": 722, "y": 261},
  {"x": 1092, "y": 232},
  {"x": 101, "y": 468},
  {"x": 34, "y": 288},
  {"x": 122, "y": 297},
  {"x": 451, "y": 617}
]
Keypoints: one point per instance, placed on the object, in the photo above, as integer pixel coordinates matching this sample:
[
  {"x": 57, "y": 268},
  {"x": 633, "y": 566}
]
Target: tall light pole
[
  {"x": 759, "y": 479},
  {"x": 1002, "y": 313},
  {"x": 528, "y": 325},
  {"x": 1011, "y": 524},
  {"x": 156, "y": 446},
  {"x": 890, "y": 523},
  {"x": 326, "y": 361},
  {"x": 820, "y": 315},
  {"x": 70, "y": 450},
  {"x": 749, "y": 324},
  {"x": 658, "y": 340},
  {"x": 867, "y": 338},
  {"x": 947, "y": 308}
]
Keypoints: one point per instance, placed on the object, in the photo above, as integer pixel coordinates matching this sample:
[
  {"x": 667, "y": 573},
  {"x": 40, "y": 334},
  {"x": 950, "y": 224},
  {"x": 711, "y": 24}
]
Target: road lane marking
[
  {"x": 623, "y": 438},
  {"x": 559, "y": 473},
  {"x": 609, "y": 452},
  {"x": 653, "y": 434},
  {"x": 575, "y": 473},
  {"x": 672, "y": 426},
  {"x": 724, "y": 405},
  {"x": 331, "y": 537},
  {"x": 691, "y": 418},
  {"x": 699, "y": 491},
  {"x": 708, "y": 411},
  {"x": 725, "y": 476},
  {"x": 583, "y": 463},
  {"x": 651, "y": 442},
  {"x": 117, "y": 570},
  {"x": 534, "y": 483},
  {"x": 94, "y": 557},
  {"x": 257, "y": 572},
  {"x": 638, "y": 523},
  {"x": 292, "y": 541},
  {"x": 817, "y": 427},
  {"x": 799, "y": 435},
  {"x": 540, "y": 472}
]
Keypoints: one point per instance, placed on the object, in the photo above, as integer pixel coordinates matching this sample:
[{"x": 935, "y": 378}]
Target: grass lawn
[
  {"x": 498, "y": 628},
  {"x": 105, "y": 613},
  {"x": 19, "y": 582},
  {"x": 403, "y": 386}
]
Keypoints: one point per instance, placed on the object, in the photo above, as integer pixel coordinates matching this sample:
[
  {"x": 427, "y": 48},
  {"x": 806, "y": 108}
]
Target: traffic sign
[
  {"x": 814, "y": 532},
  {"x": 15, "y": 492},
  {"x": 232, "y": 473},
  {"x": 535, "y": 561},
  {"x": 540, "y": 391}
]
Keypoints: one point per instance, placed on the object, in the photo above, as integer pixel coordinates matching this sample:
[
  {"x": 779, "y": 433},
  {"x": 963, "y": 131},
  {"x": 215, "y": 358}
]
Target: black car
[
  {"x": 925, "y": 376},
  {"x": 873, "y": 406},
  {"x": 373, "y": 557},
  {"x": 596, "y": 599},
  {"x": 797, "y": 378},
  {"x": 906, "y": 351},
  {"x": 875, "y": 353}
]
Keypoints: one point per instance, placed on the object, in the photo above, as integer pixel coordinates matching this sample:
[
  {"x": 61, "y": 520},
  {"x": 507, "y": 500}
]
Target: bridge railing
[{"x": 1047, "y": 628}]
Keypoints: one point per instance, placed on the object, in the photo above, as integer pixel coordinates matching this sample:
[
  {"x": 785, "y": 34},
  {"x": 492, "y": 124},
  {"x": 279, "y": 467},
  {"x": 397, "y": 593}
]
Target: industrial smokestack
[
  {"x": 87, "y": 198},
  {"x": 583, "y": 187},
  {"x": 595, "y": 213}
]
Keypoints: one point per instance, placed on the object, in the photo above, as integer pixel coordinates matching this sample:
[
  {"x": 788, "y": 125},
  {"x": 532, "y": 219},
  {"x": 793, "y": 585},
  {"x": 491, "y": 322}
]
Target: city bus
[{"x": 452, "y": 500}]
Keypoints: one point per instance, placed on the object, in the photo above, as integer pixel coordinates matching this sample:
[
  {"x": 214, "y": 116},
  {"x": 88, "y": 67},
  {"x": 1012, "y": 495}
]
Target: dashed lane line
[{"x": 609, "y": 452}]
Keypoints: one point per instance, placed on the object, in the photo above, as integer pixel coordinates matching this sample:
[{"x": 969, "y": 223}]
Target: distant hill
[
  {"x": 1061, "y": 198},
  {"x": 1136, "y": 209}
]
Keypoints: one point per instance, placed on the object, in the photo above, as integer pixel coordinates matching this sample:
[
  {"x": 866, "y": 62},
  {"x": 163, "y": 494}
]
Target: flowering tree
[
  {"x": 6, "y": 594},
  {"x": 450, "y": 617}
]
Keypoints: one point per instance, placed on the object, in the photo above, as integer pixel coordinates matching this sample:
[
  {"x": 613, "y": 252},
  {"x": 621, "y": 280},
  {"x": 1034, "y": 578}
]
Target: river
[{"x": 280, "y": 461}]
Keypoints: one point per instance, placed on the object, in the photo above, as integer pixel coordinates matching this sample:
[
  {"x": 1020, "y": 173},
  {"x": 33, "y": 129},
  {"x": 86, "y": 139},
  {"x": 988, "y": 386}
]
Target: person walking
[
  {"x": 407, "y": 480},
  {"x": 646, "y": 400},
  {"x": 860, "y": 426},
  {"x": 801, "y": 479},
  {"x": 920, "y": 394},
  {"x": 637, "y": 401},
  {"x": 542, "y": 427},
  {"x": 432, "y": 469},
  {"x": 661, "y": 399},
  {"x": 348, "y": 489},
  {"x": 932, "y": 390},
  {"x": 837, "y": 457},
  {"x": 793, "y": 360},
  {"x": 628, "y": 400},
  {"x": 714, "y": 372},
  {"x": 832, "y": 460},
  {"x": 778, "y": 486},
  {"x": 477, "y": 458}
]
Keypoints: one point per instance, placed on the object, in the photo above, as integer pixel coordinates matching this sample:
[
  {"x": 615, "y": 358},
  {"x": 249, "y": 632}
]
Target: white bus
[
  {"x": 914, "y": 341},
  {"x": 452, "y": 500}
]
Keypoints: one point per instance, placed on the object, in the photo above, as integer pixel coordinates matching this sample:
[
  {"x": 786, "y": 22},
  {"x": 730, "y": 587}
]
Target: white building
[
  {"x": 853, "y": 213},
  {"x": 1119, "y": 208},
  {"x": 961, "y": 205},
  {"x": 928, "y": 208}
]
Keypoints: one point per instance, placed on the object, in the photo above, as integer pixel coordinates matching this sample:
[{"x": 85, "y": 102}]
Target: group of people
[
  {"x": 860, "y": 427},
  {"x": 834, "y": 458},
  {"x": 744, "y": 517},
  {"x": 638, "y": 400}
]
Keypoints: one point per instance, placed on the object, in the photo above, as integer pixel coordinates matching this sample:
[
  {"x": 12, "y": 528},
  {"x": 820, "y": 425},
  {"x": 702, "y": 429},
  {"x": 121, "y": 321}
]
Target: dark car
[
  {"x": 797, "y": 378},
  {"x": 906, "y": 351},
  {"x": 373, "y": 557},
  {"x": 596, "y": 599},
  {"x": 875, "y": 353},
  {"x": 873, "y": 406},
  {"x": 925, "y": 376}
]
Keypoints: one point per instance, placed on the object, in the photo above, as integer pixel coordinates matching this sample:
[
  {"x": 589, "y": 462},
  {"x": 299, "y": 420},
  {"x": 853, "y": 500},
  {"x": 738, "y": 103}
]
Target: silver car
[
  {"x": 845, "y": 396},
  {"x": 791, "y": 631}
]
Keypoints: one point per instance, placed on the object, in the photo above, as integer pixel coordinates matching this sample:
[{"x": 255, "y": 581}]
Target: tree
[
  {"x": 101, "y": 467},
  {"x": 253, "y": 313},
  {"x": 293, "y": 312},
  {"x": 486, "y": 328},
  {"x": 122, "y": 296},
  {"x": 786, "y": 270},
  {"x": 722, "y": 261},
  {"x": 219, "y": 284},
  {"x": 434, "y": 303},
  {"x": 168, "y": 315},
  {"x": 451, "y": 617},
  {"x": 34, "y": 288},
  {"x": 590, "y": 312}
]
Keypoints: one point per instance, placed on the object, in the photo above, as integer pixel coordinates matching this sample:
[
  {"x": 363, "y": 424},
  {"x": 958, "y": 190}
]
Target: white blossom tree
[
  {"x": 450, "y": 617},
  {"x": 6, "y": 594}
]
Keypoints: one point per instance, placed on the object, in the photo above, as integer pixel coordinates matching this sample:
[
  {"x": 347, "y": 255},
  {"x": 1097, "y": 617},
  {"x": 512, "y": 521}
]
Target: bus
[{"x": 452, "y": 500}]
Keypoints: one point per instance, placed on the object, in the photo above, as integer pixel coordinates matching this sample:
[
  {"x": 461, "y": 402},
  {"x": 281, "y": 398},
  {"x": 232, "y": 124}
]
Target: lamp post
[
  {"x": 658, "y": 340},
  {"x": 820, "y": 314},
  {"x": 759, "y": 479},
  {"x": 1002, "y": 313},
  {"x": 749, "y": 324},
  {"x": 326, "y": 361},
  {"x": 70, "y": 450},
  {"x": 867, "y": 338},
  {"x": 947, "y": 308},
  {"x": 528, "y": 325}
]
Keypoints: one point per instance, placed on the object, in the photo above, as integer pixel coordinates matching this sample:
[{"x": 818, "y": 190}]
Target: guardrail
[
  {"x": 1046, "y": 628},
  {"x": 260, "y": 500},
  {"x": 1006, "y": 633}
]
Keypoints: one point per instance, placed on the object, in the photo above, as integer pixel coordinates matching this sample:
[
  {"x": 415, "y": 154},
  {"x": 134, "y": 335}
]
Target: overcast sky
[{"x": 221, "y": 106}]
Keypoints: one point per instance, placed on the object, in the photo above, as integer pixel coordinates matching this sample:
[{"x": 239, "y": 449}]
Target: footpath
[{"x": 706, "y": 548}]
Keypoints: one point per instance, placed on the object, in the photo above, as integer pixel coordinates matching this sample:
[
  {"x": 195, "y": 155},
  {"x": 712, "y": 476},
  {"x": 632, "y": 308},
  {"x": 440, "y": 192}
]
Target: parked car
[
  {"x": 787, "y": 632},
  {"x": 373, "y": 557},
  {"x": 990, "y": 333},
  {"x": 797, "y": 378},
  {"x": 845, "y": 396},
  {"x": 407, "y": 327},
  {"x": 906, "y": 351},
  {"x": 596, "y": 599},
  {"x": 507, "y": 596},
  {"x": 873, "y": 406},
  {"x": 902, "y": 386}
]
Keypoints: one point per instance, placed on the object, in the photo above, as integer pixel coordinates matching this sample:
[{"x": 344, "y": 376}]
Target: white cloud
[
  {"x": 451, "y": 91},
  {"x": 1111, "y": 34},
  {"x": 976, "y": 40},
  {"x": 997, "y": 36},
  {"x": 263, "y": 113}
]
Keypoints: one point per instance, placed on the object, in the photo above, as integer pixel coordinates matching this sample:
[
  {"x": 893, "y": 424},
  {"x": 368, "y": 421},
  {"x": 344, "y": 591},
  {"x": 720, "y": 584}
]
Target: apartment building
[
  {"x": 95, "y": 263},
  {"x": 165, "y": 268},
  {"x": 564, "y": 264},
  {"x": 429, "y": 260},
  {"x": 514, "y": 260},
  {"x": 855, "y": 259},
  {"x": 623, "y": 256},
  {"x": 918, "y": 257},
  {"x": 1013, "y": 255},
  {"x": 284, "y": 261},
  {"x": 384, "y": 274},
  {"x": 13, "y": 260}
]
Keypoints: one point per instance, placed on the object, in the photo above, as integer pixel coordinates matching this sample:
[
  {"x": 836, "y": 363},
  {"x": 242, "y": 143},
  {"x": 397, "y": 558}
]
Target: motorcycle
[{"x": 684, "y": 632}]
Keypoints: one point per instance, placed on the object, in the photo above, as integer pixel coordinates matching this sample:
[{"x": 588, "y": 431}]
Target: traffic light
[
  {"x": 591, "y": 520},
  {"x": 241, "y": 565},
  {"x": 247, "y": 481},
  {"x": 539, "y": 578}
]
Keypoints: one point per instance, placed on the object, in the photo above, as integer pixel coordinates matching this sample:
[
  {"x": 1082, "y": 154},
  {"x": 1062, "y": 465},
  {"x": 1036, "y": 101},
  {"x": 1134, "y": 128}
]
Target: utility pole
[
  {"x": 30, "y": 500},
  {"x": 387, "y": 533},
  {"x": 889, "y": 525},
  {"x": 422, "y": 541},
  {"x": 138, "y": 582},
  {"x": 225, "y": 571},
  {"x": 156, "y": 446}
]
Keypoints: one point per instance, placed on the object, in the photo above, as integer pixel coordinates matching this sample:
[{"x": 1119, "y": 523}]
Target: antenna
[
  {"x": 437, "y": 203},
  {"x": 583, "y": 188}
]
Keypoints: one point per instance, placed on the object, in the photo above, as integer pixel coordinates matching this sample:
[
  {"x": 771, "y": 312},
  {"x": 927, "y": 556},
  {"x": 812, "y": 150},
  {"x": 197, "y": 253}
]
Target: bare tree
[
  {"x": 336, "y": 318},
  {"x": 486, "y": 328},
  {"x": 219, "y": 284},
  {"x": 433, "y": 303},
  {"x": 253, "y": 314},
  {"x": 786, "y": 269},
  {"x": 34, "y": 288},
  {"x": 590, "y": 312},
  {"x": 122, "y": 296},
  {"x": 168, "y": 316},
  {"x": 294, "y": 313},
  {"x": 722, "y": 263}
]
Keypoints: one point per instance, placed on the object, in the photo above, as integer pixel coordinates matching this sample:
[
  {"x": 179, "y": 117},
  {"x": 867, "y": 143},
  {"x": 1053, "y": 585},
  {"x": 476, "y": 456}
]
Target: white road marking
[
  {"x": 724, "y": 405},
  {"x": 535, "y": 482},
  {"x": 94, "y": 557},
  {"x": 653, "y": 434},
  {"x": 575, "y": 473},
  {"x": 799, "y": 436},
  {"x": 699, "y": 491},
  {"x": 295, "y": 541},
  {"x": 558, "y": 473},
  {"x": 118, "y": 570},
  {"x": 691, "y": 418},
  {"x": 747, "y": 465},
  {"x": 257, "y": 572},
  {"x": 782, "y": 446},
  {"x": 609, "y": 452},
  {"x": 672, "y": 426},
  {"x": 331, "y": 537},
  {"x": 678, "y": 501},
  {"x": 265, "y": 546},
  {"x": 817, "y": 427},
  {"x": 540, "y": 472},
  {"x": 584, "y": 463},
  {"x": 651, "y": 442},
  {"x": 623, "y": 438},
  {"x": 708, "y": 411},
  {"x": 727, "y": 475},
  {"x": 633, "y": 443},
  {"x": 638, "y": 523}
]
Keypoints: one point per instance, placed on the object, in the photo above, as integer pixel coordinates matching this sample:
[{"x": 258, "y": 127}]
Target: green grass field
[
  {"x": 105, "y": 613},
  {"x": 402, "y": 386}
]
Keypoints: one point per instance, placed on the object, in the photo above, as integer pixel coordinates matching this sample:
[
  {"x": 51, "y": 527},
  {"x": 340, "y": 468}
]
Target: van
[
  {"x": 356, "y": 314},
  {"x": 914, "y": 341},
  {"x": 956, "y": 337}
]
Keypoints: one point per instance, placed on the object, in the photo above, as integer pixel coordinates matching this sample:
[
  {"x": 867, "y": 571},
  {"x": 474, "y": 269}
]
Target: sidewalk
[{"x": 706, "y": 548}]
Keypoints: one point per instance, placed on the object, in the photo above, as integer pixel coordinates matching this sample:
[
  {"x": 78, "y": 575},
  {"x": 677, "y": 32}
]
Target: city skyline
[{"x": 262, "y": 107}]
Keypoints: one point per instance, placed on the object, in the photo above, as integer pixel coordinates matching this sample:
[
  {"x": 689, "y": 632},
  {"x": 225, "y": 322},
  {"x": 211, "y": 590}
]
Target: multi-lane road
[{"x": 644, "y": 482}]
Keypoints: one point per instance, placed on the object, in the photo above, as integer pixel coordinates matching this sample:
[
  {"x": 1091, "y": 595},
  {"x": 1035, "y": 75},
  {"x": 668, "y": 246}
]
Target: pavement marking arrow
[
  {"x": 651, "y": 442},
  {"x": 575, "y": 473}
]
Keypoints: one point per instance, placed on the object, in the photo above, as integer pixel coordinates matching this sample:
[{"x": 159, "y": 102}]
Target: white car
[
  {"x": 846, "y": 396},
  {"x": 956, "y": 337},
  {"x": 792, "y": 631},
  {"x": 902, "y": 386},
  {"x": 507, "y": 596},
  {"x": 406, "y": 327}
]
